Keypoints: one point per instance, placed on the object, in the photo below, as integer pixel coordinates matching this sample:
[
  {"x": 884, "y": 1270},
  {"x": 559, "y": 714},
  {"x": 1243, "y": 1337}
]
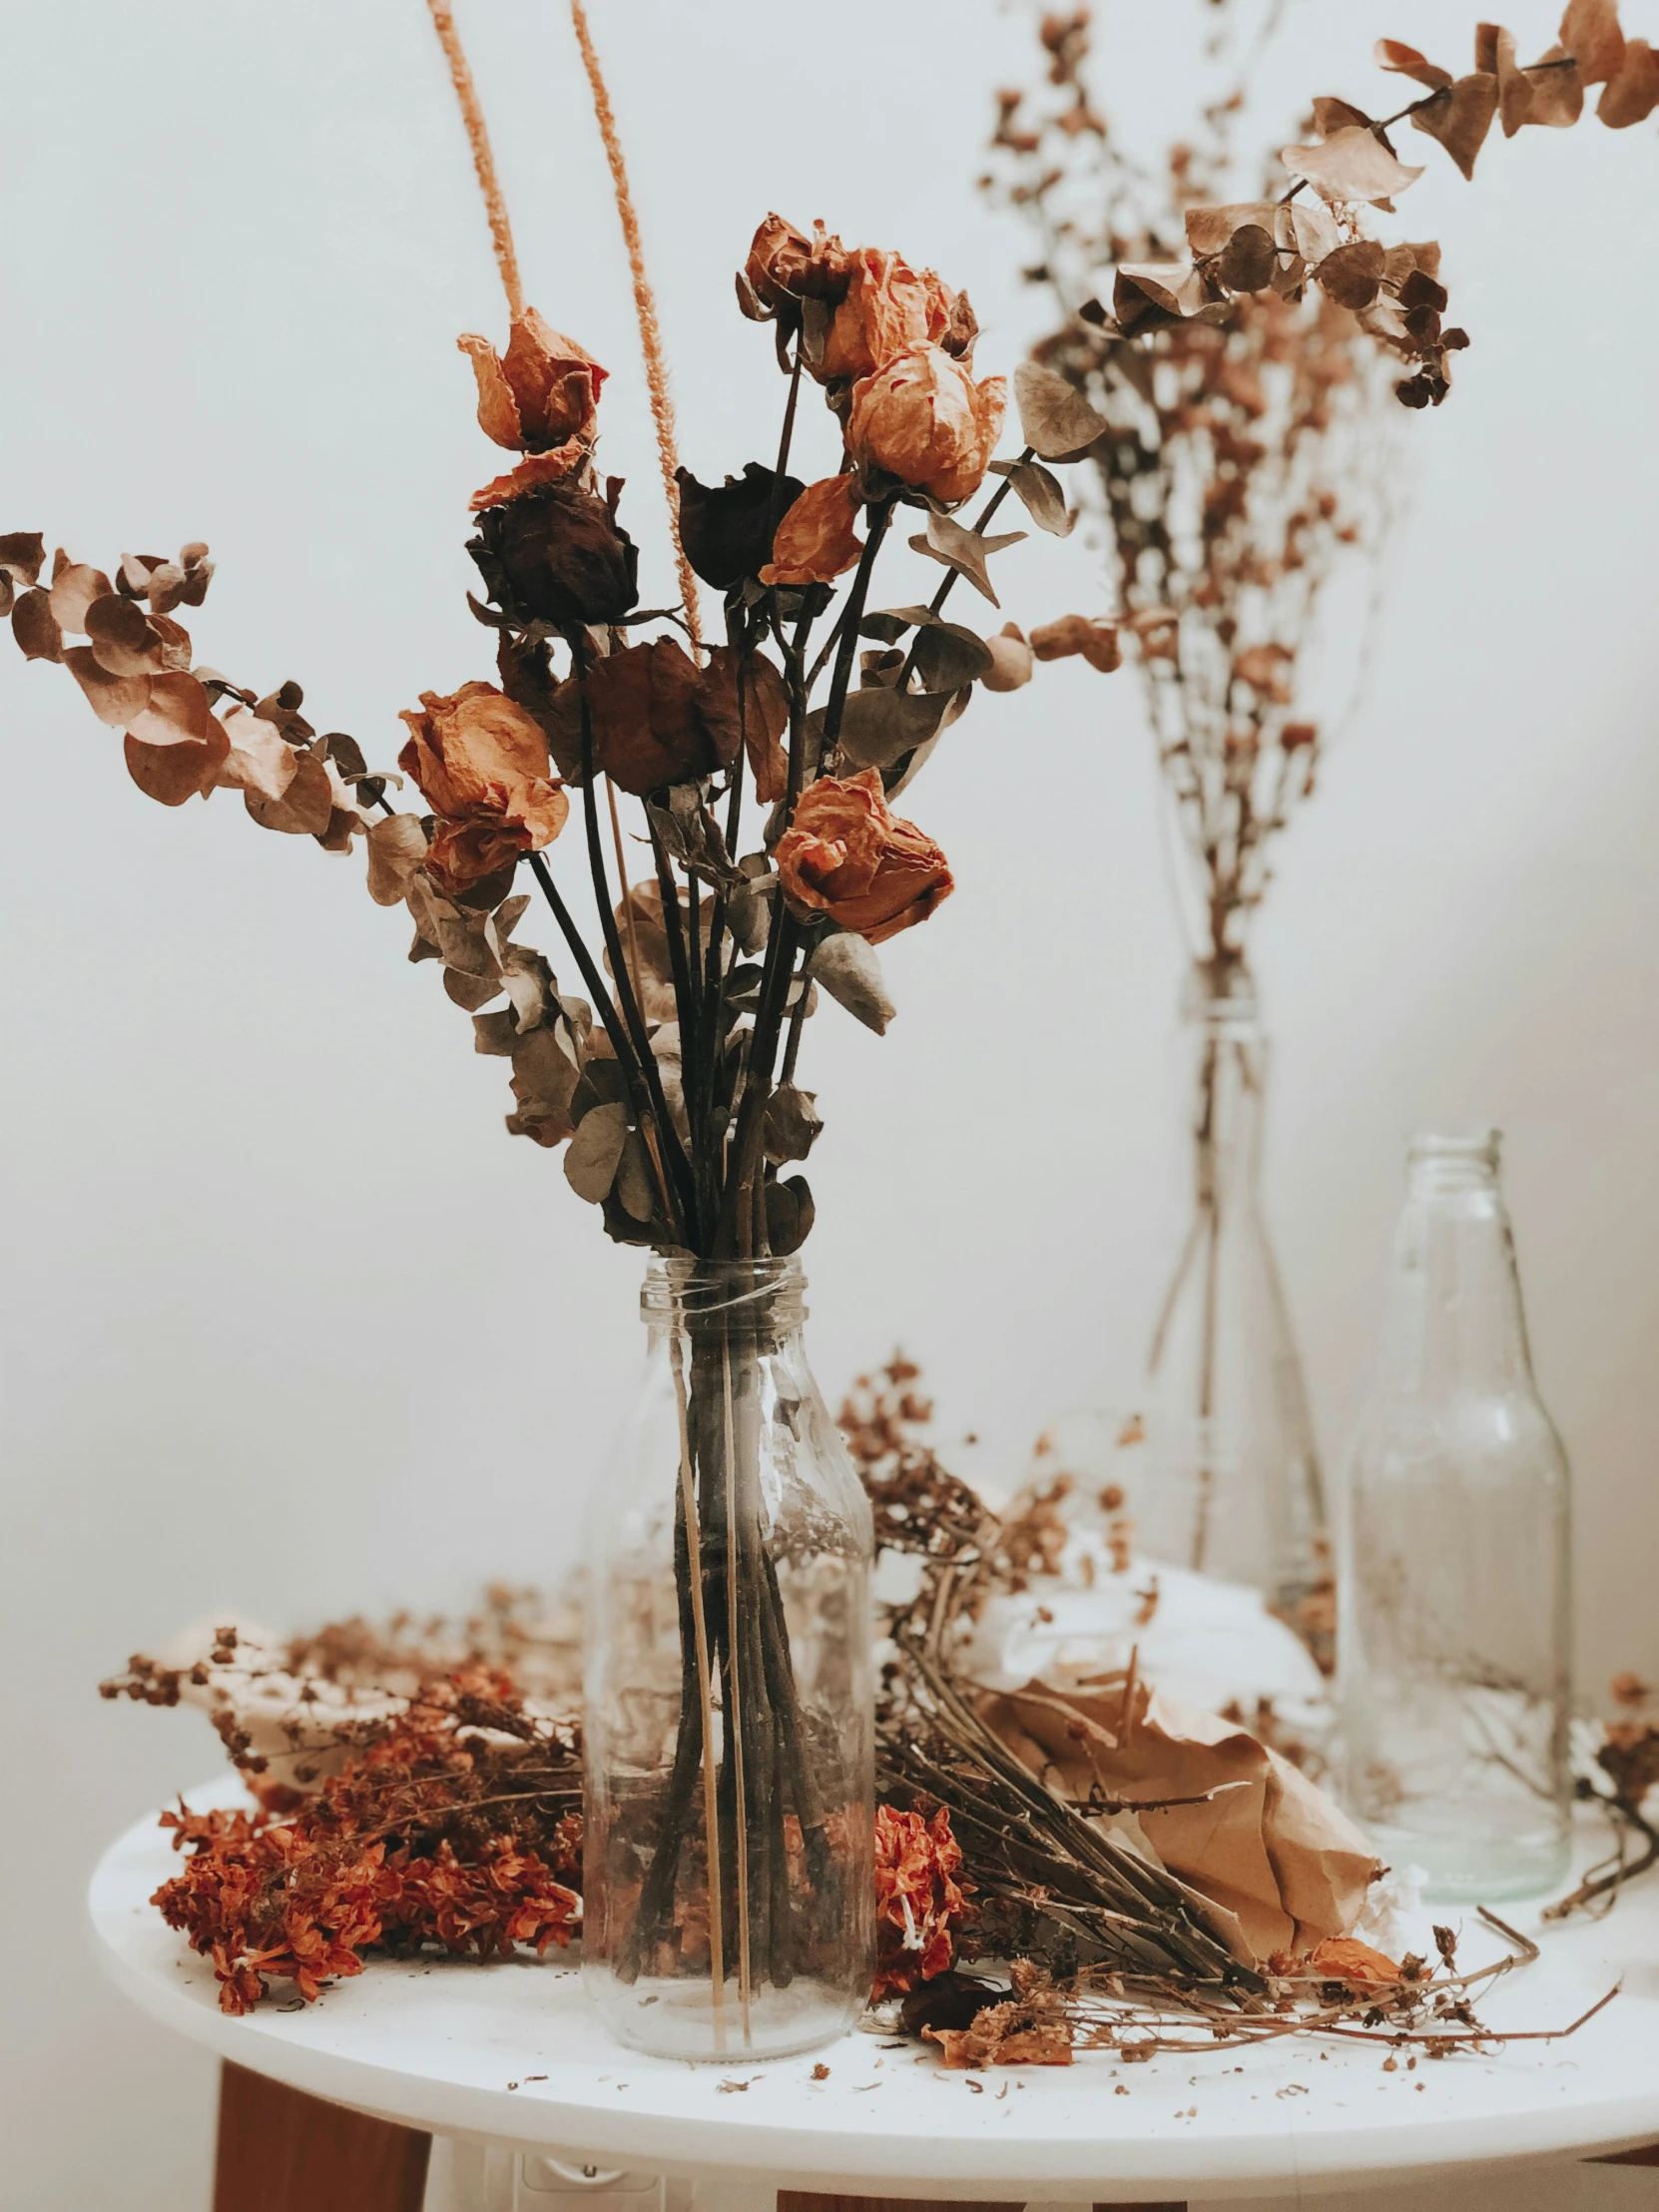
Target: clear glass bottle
[
  {"x": 1234, "y": 1487},
  {"x": 729, "y": 1894},
  {"x": 1455, "y": 1604}
]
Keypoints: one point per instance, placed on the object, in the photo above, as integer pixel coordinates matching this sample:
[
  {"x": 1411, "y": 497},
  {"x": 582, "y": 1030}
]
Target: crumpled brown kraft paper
[{"x": 1283, "y": 1868}]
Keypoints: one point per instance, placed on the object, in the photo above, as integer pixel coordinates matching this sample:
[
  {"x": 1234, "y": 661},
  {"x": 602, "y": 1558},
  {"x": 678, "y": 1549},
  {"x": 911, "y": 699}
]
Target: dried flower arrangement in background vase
[{"x": 1238, "y": 468}]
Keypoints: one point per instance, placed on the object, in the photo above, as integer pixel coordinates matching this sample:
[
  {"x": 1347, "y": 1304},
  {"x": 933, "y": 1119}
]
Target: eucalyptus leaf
[
  {"x": 879, "y": 726},
  {"x": 963, "y": 550},
  {"x": 950, "y": 656},
  {"x": 790, "y": 1214},
  {"x": 634, "y": 1188},
  {"x": 793, "y": 1123},
  {"x": 1039, "y": 492},
  {"x": 596, "y": 1151},
  {"x": 1055, "y": 419},
  {"x": 846, "y": 967},
  {"x": 891, "y": 623}
]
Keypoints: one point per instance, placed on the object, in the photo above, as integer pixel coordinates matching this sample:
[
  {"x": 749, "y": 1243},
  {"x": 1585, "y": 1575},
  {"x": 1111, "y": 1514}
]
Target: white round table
[{"x": 510, "y": 2055}]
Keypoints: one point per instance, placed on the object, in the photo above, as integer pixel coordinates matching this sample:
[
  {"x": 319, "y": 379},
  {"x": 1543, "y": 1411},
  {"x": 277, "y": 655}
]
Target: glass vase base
[
  {"x": 1468, "y": 1869},
  {"x": 676, "y": 2018}
]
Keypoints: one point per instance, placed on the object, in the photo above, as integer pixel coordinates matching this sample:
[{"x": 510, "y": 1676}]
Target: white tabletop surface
[{"x": 510, "y": 2051}]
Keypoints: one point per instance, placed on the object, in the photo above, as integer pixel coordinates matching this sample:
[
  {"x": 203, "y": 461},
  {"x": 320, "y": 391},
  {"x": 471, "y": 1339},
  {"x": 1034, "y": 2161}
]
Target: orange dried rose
[
  {"x": 814, "y": 542},
  {"x": 533, "y": 471},
  {"x": 924, "y": 419},
  {"x": 542, "y": 390},
  {"x": 890, "y": 307},
  {"x": 846, "y": 856},
  {"x": 784, "y": 264},
  {"x": 482, "y": 764}
]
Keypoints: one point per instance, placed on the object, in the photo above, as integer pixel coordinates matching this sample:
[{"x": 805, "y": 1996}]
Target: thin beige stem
[
  {"x": 645, "y": 308},
  {"x": 627, "y": 903},
  {"x": 705, "y": 1691},
  {"x": 733, "y": 1724},
  {"x": 483, "y": 160}
]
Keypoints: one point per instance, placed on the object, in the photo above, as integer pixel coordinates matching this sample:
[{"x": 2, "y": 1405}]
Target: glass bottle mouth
[
  {"x": 1469, "y": 1162},
  {"x": 1220, "y": 994},
  {"x": 690, "y": 1288}
]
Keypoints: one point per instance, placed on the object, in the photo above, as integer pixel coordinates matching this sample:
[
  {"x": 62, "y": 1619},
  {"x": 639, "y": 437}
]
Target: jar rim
[{"x": 685, "y": 1282}]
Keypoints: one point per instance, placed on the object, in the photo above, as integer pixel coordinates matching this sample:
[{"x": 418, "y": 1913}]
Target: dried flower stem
[
  {"x": 705, "y": 1689},
  {"x": 483, "y": 160},
  {"x": 645, "y": 308},
  {"x": 633, "y": 967}
]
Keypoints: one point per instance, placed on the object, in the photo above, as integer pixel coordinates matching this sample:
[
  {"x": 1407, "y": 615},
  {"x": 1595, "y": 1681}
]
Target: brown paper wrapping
[{"x": 1283, "y": 1868}]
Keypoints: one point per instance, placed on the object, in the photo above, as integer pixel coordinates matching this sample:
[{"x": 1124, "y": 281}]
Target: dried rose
[
  {"x": 482, "y": 764},
  {"x": 1346, "y": 1958},
  {"x": 846, "y": 856},
  {"x": 924, "y": 419},
  {"x": 557, "y": 555},
  {"x": 814, "y": 541},
  {"x": 727, "y": 530},
  {"x": 786, "y": 265},
  {"x": 543, "y": 390},
  {"x": 890, "y": 308}
]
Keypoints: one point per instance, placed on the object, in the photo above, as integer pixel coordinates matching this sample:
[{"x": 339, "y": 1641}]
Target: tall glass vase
[
  {"x": 1236, "y": 1488},
  {"x": 729, "y": 1687}
]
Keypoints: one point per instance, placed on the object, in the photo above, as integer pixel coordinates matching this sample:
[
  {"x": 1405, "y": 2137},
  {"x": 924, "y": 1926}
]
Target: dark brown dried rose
[
  {"x": 754, "y": 719},
  {"x": 727, "y": 530},
  {"x": 557, "y": 555},
  {"x": 642, "y": 710}
]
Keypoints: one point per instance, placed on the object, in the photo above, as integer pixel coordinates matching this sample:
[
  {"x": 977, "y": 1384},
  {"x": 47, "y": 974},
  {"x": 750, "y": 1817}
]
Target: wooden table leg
[{"x": 283, "y": 2151}]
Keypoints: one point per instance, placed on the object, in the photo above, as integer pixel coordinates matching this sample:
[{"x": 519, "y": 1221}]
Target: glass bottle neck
[
  {"x": 756, "y": 1303},
  {"x": 1456, "y": 1324}
]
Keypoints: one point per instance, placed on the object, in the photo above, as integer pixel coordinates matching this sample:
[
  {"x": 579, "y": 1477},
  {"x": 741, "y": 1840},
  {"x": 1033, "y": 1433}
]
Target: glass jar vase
[
  {"x": 729, "y": 1898},
  {"x": 1453, "y": 1617},
  {"x": 1235, "y": 1487}
]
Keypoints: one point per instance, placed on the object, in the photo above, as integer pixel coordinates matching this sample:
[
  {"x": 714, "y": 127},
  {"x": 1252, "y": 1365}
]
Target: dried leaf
[
  {"x": 128, "y": 642},
  {"x": 73, "y": 588},
  {"x": 690, "y": 833},
  {"x": 1391, "y": 52},
  {"x": 1331, "y": 114},
  {"x": 1461, "y": 120},
  {"x": 1148, "y": 295},
  {"x": 305, "y": 806},
  {"x": 635, "y": 1188},
  {"x": 1055, "y": 421},
  {"x": 596, "y": 1152},
  {"x": 948, "y": 655},
  {"x": 115, "y": 700},
  {"x": 1039, "y": 492},
  {"x": 849, "y": 969},
  {"x": 790, "y": 1214},
  {"x": 1590, "y": 33},
  {"x": 22, "y": 555},
  {"x": 1633, "y": 93},
  {"x": 1551, "y": 96},
  {"x": 1308, "y": 227},
  {"x": 546, "y": 1071},
  {"x": 178, "y": 712},
  {"x": 963, "y": 550},
  {"x": 259, "y": 760},
  {"x": 878, "y": 726},
  {"x": 793, "y": 1123},
  {"x": 470, "y": 992},
  {"x": 1209, "y": 228},
  {"x": 1353, "y": 164},
  {"x": 35, "y": 627},
  {"x": 1096, "y": 641},
  {"x": 1250, "y": 260},
  {"x": 1353, "y": 273},
  {"x": 396, "y": 847}
]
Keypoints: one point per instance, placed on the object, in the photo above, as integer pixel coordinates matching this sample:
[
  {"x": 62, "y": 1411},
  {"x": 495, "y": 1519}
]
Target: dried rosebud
[
  {"x": 890, "y": 308},
  {"x": 846, "y": 855},
  {"x": 483, "y": 765},
  {"x": 1097, "y": 642},
  {"x": 815, "y": 541},
  {"x": 531, "y": 473},
  {"x": 557, "y": 555},
  {"x": 543, "y": 390},
  {"x": 1010, "y": 660},
  {"x": 726, "y": 530},
  {"x": 786, "y": 265},
  {"x": 924, "y": 421}
]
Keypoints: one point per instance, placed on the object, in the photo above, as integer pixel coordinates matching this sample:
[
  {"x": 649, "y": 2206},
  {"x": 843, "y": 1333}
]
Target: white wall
[{"x": 290, "y": 1325}]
